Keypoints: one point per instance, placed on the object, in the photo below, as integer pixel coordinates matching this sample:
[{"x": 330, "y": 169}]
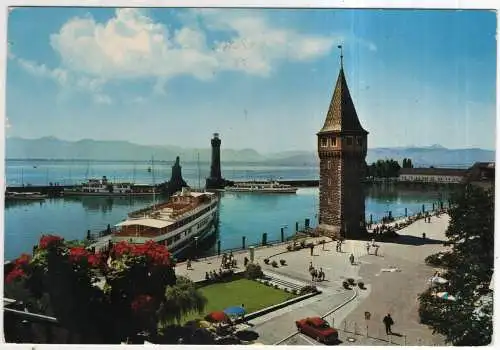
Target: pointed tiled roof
[{"x": 341, "y": 114}]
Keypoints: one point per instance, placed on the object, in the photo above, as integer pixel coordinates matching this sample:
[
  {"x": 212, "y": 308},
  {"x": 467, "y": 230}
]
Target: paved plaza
[{"x": 393, "y": 292}]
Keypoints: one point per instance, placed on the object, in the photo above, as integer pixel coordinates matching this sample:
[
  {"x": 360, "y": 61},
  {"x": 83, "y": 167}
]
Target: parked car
[{"x": 317, "y": 328}]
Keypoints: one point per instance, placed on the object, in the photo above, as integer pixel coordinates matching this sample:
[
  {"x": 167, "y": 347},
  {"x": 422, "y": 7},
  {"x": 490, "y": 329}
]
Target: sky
[{"x": 262, "y": 78}]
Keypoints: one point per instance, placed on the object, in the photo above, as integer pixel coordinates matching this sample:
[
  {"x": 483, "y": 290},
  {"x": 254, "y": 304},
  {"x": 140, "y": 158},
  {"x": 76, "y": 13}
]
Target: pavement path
[{"x": 393, "y": 292}]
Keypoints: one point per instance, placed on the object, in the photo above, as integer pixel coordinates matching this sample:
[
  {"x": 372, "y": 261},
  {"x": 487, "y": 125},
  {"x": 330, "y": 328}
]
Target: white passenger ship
[
  {"x": 184, "y": 220},
  {"x": 104, "y": 187},
  {"x": 261, "y": 187}
]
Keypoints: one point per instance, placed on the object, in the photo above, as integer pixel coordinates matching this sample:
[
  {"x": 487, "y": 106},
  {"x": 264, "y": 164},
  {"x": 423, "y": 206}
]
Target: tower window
[
  {"x": 329, "y": 165},
  {"x": 329, "y": 181},
  {"x": 359, "y": 140},
  {"x": 349, "y": 140},
  {"x": 334, "y": 141},
  {"x": 323, "y": 142}
]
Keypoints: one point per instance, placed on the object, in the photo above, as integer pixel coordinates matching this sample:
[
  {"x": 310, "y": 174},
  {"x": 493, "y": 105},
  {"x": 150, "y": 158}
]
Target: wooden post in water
[
  {"x": 406, "y": 212},
  {"x": 297, "y": 226},
  {"x": 243, "y": 239},
  {"x": 432, "y": 206},
  {"x": 282, "y": 234},
  {"x": 218, "y": 247},
  {"x": 423, "y": 208},
  {"x": 264, "y": 238},
  {"x": 306, "y": 223}
]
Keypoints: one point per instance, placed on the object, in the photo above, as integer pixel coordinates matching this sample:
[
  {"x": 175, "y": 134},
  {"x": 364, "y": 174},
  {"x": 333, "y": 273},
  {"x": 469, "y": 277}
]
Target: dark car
[{"x": 317, "y": 328}]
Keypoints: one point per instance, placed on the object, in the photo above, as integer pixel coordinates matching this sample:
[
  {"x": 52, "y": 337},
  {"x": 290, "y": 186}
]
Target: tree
[
  {"x": 181, "y": 299},
  {"x": 468, "y": 320}
]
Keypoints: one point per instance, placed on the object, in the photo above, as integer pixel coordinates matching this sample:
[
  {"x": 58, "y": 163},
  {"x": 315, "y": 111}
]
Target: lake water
[
  {"x": 42, "y": 172},
  {"x": 240, "y": 215}
]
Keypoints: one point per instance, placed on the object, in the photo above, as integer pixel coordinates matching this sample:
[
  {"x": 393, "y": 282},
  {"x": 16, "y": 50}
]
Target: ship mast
[
  {"x": 199, "y": 175},
  {"x": 154, "y": 184}
]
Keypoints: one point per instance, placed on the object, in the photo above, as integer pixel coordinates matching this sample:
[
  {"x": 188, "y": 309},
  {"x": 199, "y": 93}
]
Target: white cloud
[
  {"x": 67, "y": 79},
  {"x": 132, "y": 45},
  {"x": 103, "y": 99}
]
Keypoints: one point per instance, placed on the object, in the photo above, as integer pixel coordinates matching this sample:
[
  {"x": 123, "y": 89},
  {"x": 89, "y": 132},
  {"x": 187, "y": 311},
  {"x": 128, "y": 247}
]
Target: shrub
[
  {"x": 308, "y": 289},
  {"x": 285, "y": 290},
  {"x": 297, "y": 247},
  {"x": 276, "y": 286},
  {"x": 303, "y": 244},
  {"x": 253, "y": 271},
  {"x": 351, "y": 281},
  {"x": 289, "y": 247},
  {"x": 274, "y": 263},
  {"x": 266, "y": 261},
  {"x": 437, "y": 260},
  {"x": 283, "y": 262},
  {"x": 345, "y": 284},
  {"x": 361, "y": 285},
  {"x": 294, "y": 291}
]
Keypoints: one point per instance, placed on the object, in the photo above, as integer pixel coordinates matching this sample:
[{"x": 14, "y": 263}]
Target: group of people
[
  {"x": 381, "y": 229},
  {"x": 427, "y": 219},
  {"x": 228, "y": 261},
  {"x": 215, "y": 276},
  {"x": 316, "y": 275}
]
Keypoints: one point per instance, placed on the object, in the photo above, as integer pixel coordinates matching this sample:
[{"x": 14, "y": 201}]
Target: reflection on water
[{"x": 241, "y": 214}]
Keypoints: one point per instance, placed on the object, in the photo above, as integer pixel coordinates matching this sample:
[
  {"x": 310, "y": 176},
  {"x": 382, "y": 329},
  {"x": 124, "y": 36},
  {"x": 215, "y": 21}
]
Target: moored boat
[
  {"x": 184, "y": 220},
  {"x": 33, "y": 196},
  {"x": 104, "y": 187},
  {"x": 261, "y": 187}
]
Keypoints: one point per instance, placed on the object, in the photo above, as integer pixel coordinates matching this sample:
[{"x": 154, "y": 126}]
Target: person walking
[
  {"x": 188, "y": 264},
  {"x": 312, "y": 249},
  {"x": 368, "y": 248},
  {"x": 351, "y": 259},
  {"x": 388, "y": 322}
]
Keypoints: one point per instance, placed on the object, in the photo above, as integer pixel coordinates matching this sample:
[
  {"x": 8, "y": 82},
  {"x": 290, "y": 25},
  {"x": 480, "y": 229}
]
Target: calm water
[
  {"x": 240, "y": 214},
  {"x": 37, "y": 172}
]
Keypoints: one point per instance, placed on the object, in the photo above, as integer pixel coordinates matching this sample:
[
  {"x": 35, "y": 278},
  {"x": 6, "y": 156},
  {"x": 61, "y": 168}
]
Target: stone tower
[
  {"x": 215, "y": 181},
  {"x": 342, "y": 146}
]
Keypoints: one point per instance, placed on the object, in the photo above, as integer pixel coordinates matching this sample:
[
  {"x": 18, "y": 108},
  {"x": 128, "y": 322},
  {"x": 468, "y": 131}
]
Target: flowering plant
[{"x": 134, "y": 277}]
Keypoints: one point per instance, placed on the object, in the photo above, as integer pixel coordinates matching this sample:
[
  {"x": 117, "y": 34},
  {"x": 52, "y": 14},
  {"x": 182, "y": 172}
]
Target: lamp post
[
  {"x": 196, "y": 245},
  {"x": 283, "y": 232}
]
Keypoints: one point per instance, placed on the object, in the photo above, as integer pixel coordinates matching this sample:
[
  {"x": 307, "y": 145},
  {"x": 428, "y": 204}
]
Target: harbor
[{"x": 72, "y": 217}]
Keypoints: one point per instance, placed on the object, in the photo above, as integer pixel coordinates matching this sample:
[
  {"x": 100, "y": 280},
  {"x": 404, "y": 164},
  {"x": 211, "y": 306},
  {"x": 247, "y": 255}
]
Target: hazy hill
[{"x": 53, "y": 148}]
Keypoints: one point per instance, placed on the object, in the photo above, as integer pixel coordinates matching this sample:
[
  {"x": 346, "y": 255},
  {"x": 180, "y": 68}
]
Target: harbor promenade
[{"x": 393, "y": 280}]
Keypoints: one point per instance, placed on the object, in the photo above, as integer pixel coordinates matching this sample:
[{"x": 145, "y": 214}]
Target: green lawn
[{"x": 253, "y": 295}]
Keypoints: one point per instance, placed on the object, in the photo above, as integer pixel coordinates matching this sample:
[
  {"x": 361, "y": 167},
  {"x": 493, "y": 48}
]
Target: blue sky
[{"x": 261, "y": 78}]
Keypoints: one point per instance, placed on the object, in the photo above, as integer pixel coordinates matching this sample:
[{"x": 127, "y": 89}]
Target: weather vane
[{"x": 341, "y": 55}]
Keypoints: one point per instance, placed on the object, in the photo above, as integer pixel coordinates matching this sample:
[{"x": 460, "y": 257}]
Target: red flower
[
  {"x": 24, "y": 259},
  {"x": 77, "y": 253},
  {"x": 16, "y": 273},
  {"x": 154, "y": 252},
  {"x": 94, "y": 260},
  {"x": 48, "y": 240},
  {"x": 142, "y": 302}
]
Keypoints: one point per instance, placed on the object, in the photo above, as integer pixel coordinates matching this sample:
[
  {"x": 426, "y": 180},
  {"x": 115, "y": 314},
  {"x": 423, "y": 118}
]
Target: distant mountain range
[{"x": 53, "y": 148}]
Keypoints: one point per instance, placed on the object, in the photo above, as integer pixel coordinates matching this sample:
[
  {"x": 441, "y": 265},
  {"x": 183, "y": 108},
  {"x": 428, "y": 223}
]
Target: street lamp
[{"x": 196, "y": 245}]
